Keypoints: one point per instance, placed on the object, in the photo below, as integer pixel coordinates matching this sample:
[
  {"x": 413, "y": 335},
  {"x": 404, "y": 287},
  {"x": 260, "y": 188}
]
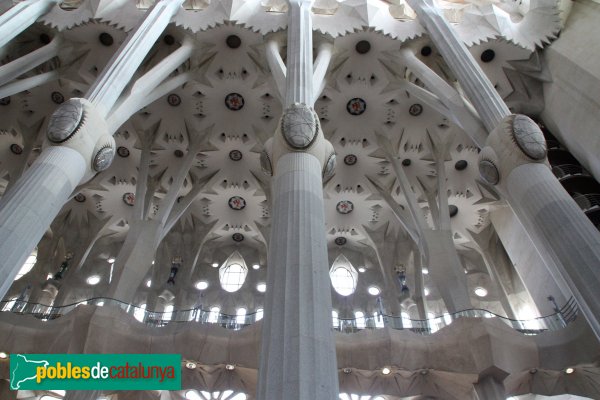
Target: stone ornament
[
  {"x": 103, "y": 158},
  {"x": 350, "y": 159},
  {"x": 237, "y": 203},
  {"x": 340, "y": 240},
  {"x": 57, "y": 97},
  {"x": 329, "y": 168},
  {"x": 16, "y": 149},
  {"x": 529, "y": 137},
  {"x": 234, "y": 101},
  {"x": 415, "y": 109},
  {"x": 344, "y": 207},
  {"x": 129, "y": 199},
  {"x": 123, "y": 151},
  {"x": 356, "y": 106},
  {"x": 489, "y": 172},
  {"x": 299, "y": 126},
  {"x": 237, "y": 237},
  {"x": 65, "y": 121},
  {"x": 235, "y": 155},
  {"x": 79, "y": 197}
]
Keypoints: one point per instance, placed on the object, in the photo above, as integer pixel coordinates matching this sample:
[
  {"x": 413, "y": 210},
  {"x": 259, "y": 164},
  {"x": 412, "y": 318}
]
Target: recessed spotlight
[
  {"x": 374, "y": 290},
  {"x": 386, "y": 371},
  {"x": 481, "y": 292},
  {"x": 425, "y": 271},
  {"x": 569, "y": 370},
  {"x": 256, "y": 266},
  {"x": 190, "y": 365},
  {"x": 261, "y": 287},
  {"x": 152, "y": 262},
  {"x": 347, "y": 370},
  {"x": 149, "y": 283},
  {"x": 111, "y": 260},
  {"x": 426, "y": 291},
  {"x": 215, "y": 265},
  {"x": 93, "y": 280},
  {"x": 3, "y": 355},
  {"x": 201, "y": 285},
  {"x": 361, "y": 269},
  {"x": 229, "y": 367}
]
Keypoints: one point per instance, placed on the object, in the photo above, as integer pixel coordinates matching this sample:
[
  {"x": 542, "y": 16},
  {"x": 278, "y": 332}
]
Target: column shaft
[
  {"x": 27, "y": 210},
  {"x": 20, "y": 17},
  {"x": 298, "y": 359},
  {"x": 299, "y": 78},
  {"x": 477, "y": 86},
  {"x": 548, "y": 212}
]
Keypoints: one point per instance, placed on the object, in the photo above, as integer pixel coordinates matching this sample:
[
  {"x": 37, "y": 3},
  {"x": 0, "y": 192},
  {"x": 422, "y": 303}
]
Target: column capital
[
  {"x": 77, "y": 124},
  {"x": 299, "y": 130},
  {"x": 517, "y": 140}
]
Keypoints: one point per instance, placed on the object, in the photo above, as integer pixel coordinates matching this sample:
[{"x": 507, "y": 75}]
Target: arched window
[
  {"x": 140, "y": 312},
  {"x": 168, "y": 313},
  {"x": 259, "y": 314},
  {"x": 343, "y": 276},
  {"x": 335, "y": 319},
  {"x": 232, "y": 276},
  {"x": 213, "y": 317},
  {"x": 406, "y": 322},
  {"x": 29, "y": 263},
  {"x": 360, "y": 319},
  {"x": 240, "y": 317}
]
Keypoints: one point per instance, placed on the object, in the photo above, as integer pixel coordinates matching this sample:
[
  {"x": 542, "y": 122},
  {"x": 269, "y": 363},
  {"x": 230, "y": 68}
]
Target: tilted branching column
[
  {"x": 79, "y": 144},
  {"x": 298, "y": 359},
  {"x": 514, "y": 160}
]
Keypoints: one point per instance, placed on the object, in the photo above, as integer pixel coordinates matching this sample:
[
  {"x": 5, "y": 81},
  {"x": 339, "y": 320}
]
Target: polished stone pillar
[
  {"x": 78, "y": 146},
  {"x": 514, "y": 160},
  {"x": 21, "y": 16},
  {"x": 298, "y": 358}
]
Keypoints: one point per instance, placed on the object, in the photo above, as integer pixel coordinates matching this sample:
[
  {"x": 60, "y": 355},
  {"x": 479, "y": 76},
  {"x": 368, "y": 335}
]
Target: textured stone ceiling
[{"x": 231, "y": 105}]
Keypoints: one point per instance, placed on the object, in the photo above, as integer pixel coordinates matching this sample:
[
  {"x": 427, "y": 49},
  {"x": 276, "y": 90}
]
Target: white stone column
[
  {"x": 78, "y": 126},
  {"x": 514, "y": 159},
  {"x": 27, "y": 210},
  {"x": 298, "y": 358},
  {"x": 21, "y": 16}
]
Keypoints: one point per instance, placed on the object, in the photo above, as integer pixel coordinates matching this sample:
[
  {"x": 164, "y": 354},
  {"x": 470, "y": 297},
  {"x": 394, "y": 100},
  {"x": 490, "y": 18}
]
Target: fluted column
[
  {"x": 298, "y": 359},
  {"x": 514, "y": 160},
  {"x": 77, "y": 126},
  {"x": 21, "y": 16},
  {"x": 27, "y": 210}
]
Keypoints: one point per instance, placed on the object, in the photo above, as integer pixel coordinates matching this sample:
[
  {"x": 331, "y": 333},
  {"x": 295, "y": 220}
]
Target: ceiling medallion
[
  {"x": 235, "y": 155},
  {"x": 237, "y": 237},
  {"x": 350, "y": 159},
  {"x": 344, "y": 207},
  {"x": 340, "y": 241},
  {"x": 233, "y": 41},
  {"x": 79, "y": 197},
  {"x": 16, "y": 149},
  {"x": 234, "y": 101},
  {"x": 237, "y": 203},
  {"x": 123, "y": 151},
  {"x": 415, "y": 110},
  {"x": 529, "y": 137},
  {"x": 489, "y": 172},
  {"x": 129, "y": 199},
  {"x": 57, "y": 97},
  {"x": 5, "y": 101},
  {"x": 488, "y": 55},
  {"x": 363, "y": 47},
  {"x": 65, "y": 121},
  {"x": 106, "y": 39},
  {"x": 174, "y": 100},
  {"x": 356, "y": 106}
]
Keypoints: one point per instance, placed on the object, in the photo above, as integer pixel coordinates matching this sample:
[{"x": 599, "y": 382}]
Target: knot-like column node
[{"x": 76, "y": 124}]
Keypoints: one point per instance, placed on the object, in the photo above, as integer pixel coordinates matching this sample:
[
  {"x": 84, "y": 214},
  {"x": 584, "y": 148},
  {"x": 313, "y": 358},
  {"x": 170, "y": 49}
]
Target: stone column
[
  {"x": 298, "y": 359},
  {"x": 78, "y": 146},
  {"x": 21, "y": 16},
  {"x": 514, "y": 160},
  {"x": 489, "y": 388}
]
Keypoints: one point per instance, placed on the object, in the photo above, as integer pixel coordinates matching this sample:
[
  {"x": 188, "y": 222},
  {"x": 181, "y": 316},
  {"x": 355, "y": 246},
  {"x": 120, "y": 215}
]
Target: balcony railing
[{"x": 556, "y": 321}]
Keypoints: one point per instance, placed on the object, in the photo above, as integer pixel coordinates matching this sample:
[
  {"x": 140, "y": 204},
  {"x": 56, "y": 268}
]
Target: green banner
[{"x": 95, "y": 371}]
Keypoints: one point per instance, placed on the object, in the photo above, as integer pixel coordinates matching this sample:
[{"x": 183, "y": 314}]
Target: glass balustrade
[{"x": 362, "y": 321}]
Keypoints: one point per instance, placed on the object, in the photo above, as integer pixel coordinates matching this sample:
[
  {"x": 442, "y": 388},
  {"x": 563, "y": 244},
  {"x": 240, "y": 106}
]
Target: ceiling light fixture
[
  {"x": 386, "y": 371},
  {"x": 256, "y": 266},
  {"x": 190, "y": 365},
  {"x": 229, "y": 367},
  {"x": 111, "y": 260},
  {"x": 374, "y": 290},
  {"x": 149, "y": 283},
  {"x": 201, "y": 285},
  {"x": 261, "y": 287},
  {"x": 3, "y": 355},
  {"x": 361, "y": 269},
  {"x": 425, "y": 271},
  {"x": 481, "y": 292},
  {"x": 426, "y": 292},
  {"x": 215, "y": 265},
  {"x": 569, "y": 370},
  {"x": 93, "y": 280}
]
